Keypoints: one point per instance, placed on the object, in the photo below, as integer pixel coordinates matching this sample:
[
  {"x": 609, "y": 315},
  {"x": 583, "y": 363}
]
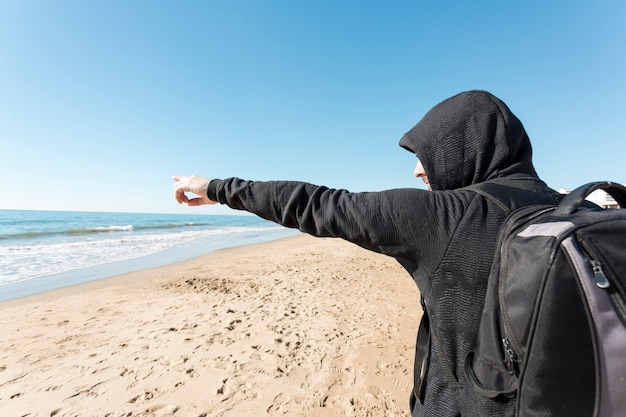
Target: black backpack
[{"x": 553, "y": 328}]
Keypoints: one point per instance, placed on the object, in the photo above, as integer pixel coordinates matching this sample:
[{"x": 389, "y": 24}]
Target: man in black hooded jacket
[{"x": 445, "y": 238}]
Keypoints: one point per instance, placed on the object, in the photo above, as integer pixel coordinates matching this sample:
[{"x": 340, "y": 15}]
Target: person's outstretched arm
[
  {"x": 313, "y": 209},
  {"x": 393, "y": 222}
]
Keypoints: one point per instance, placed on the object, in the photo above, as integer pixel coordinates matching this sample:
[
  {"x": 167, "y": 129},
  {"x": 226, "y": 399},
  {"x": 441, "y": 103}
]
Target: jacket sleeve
[{"x": 393, "y": 222}]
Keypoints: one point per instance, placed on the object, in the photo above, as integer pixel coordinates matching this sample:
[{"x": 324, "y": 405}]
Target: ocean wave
[
  {"x": 21, "y": 262},
  {"x": 101, "y": 229}
]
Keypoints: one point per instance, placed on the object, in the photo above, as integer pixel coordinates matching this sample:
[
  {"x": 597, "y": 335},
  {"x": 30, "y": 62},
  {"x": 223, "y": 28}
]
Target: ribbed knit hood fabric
[{"x": 470, "y": 138}]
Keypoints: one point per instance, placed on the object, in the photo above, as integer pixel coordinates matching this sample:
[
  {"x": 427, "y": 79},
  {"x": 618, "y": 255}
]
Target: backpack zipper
[
  {"x": 604, "y": 282},
  {"x": 510, "y": 356},
  {"x": 510, "y": 345},
  {"x": 601, "y": 279}
]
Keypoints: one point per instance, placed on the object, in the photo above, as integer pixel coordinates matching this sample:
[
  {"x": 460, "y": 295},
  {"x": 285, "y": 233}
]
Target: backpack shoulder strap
[
  {"x": 490, "y": 191},
  {"x": 510, "y": 198}
]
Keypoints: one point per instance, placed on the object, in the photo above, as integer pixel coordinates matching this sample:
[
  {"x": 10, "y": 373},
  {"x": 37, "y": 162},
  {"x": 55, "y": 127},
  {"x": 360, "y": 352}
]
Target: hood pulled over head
[{"x": 470, "y": 138}]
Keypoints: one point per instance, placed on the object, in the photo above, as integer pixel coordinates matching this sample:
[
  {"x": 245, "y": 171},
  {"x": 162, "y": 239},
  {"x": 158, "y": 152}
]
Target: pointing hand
[{"x": 192, "y": 184}]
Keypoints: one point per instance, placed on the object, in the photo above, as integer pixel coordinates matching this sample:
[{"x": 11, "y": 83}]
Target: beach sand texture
[{"x": 295, "y": 327}]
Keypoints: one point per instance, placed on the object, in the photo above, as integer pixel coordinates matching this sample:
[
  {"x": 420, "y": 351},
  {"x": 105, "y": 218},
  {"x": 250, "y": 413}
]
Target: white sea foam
[
  {"x": 42, "y": 250},
  {"x": 127, "y": 228},
  {"x": 26, "y": 262}
]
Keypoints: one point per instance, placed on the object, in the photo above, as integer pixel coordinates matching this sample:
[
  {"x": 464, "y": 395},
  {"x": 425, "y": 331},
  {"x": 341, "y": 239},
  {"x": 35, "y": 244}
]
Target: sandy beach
[{"x": 294, "y": 327}]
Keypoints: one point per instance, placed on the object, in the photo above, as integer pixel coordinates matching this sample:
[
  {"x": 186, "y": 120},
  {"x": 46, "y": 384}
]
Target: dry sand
[{"x": 295, "y": 327}]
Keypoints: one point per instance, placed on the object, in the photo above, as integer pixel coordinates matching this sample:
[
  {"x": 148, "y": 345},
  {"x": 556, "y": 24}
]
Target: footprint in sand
[
  {"x": 261, "y": 371},
  {"x": 279, "y": 404},
  {"x": 401, "y": 384},
  {"x": 162, "y": 410},
  {"x": 146, "y": 396}
]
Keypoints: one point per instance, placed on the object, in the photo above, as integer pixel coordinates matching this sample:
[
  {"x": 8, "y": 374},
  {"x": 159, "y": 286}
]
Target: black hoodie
[
  {"x": 445, "y": 239},
  {"x": 470, "y": 138}
]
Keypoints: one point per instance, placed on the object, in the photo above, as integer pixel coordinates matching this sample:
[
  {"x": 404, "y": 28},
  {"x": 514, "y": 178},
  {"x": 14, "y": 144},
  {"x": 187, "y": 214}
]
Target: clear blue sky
[{"x": 101, "y": 102}]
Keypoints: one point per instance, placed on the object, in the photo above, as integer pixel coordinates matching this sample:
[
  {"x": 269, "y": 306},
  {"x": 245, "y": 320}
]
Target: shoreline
[
  {"x": 130, "y": 277},
  {"x": 298, "y": 326},
  {"x": 173, "y": 255}
]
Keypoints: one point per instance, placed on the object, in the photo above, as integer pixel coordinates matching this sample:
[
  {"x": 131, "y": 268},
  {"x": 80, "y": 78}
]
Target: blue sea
[{"x": 42, "y": 250}]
